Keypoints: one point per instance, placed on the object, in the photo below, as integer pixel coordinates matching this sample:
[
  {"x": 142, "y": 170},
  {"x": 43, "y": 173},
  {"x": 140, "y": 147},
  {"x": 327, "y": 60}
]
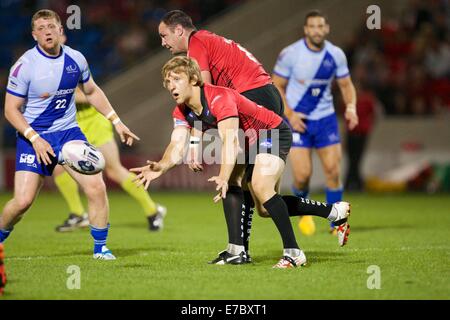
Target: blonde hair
[
  {"x": 46, "y": 14},
  {"x": 185, "y": 65}
]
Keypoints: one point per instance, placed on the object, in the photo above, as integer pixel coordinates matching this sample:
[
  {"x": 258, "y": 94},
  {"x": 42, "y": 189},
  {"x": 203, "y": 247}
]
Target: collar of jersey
[
  {"x": 314, "y": 51},
  {"x": 47, "y": 56}
]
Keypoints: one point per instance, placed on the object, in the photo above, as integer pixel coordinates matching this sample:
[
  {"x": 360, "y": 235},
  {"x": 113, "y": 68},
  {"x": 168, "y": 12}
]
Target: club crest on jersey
[
  {"x": 327, "y": 63},
  {"x": 71, "y": 69}
]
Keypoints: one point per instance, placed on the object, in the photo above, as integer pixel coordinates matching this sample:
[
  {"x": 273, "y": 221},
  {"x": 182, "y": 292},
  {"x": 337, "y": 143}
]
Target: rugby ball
[{"x": 83, "y": 157}]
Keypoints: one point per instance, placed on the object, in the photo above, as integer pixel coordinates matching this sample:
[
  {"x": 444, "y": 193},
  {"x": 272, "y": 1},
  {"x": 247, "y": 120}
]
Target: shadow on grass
[
  {"x": 311, "y": 256},
  {"x": 132, "y": 225},
  {"x": 380, "y": 227},
  {"x": 118, "y": 252}
]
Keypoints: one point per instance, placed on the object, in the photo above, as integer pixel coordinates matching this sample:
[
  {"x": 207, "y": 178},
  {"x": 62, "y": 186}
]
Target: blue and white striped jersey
[
  {"x": 310, "y": 74},
  {"x": 48, "y": 85}
]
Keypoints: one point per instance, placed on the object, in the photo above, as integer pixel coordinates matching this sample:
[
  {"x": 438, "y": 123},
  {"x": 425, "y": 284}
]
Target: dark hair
[
  {"x": 175, "y": 17},
  {"x": 313, "y": 14}
]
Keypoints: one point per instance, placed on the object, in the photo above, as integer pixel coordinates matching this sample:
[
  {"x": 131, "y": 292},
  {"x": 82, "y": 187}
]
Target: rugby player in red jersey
[
  {"x": 267, "y": 144},
  {"x": 225, "y": 63}
]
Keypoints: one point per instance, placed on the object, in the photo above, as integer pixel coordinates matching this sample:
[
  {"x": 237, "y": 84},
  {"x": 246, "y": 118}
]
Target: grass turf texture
[{"x": 407, "y": 236}]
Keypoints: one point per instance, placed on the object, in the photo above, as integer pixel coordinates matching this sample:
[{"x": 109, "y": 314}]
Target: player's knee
[
  {"x": 332, "y": 171},
  {"x": 23, "y": 203},
  {"x": 301, "y": 177},
  {"x": 262, "y": 212},
  {"x": 262, "y": 191},
  {"x": 234, "y": 182}
]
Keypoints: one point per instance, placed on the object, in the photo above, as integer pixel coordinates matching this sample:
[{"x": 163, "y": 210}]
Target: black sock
[
  {"x": 233, "y": 207},
  {"x": 306, "y": 207},
  {"x": 279, "y": 212},
  {"x": 249, "y": 210}
]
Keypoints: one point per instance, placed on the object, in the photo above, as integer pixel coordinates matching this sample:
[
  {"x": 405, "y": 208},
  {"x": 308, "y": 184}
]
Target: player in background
[
  {"x": 267, "y": 144},
  {"x": 40, "y": 104},
  {"x": 222, "y": 62},
  {"x": 99, "y": 132},
  {"x": 303, "y": 74}
]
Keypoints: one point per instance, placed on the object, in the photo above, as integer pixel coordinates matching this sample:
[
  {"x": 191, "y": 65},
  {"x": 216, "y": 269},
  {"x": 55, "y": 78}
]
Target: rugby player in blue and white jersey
[
  {"x": 40, "y": 104},
  {"x": 304, "y": 73}
]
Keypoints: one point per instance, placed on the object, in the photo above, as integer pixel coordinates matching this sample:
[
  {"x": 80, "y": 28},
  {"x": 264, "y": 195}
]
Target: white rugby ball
[{"x": 83, "y": 157}]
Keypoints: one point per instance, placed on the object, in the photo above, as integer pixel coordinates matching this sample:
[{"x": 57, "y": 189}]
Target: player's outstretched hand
[
  {"x": 352, "y": 118},
  {"x": 193, "y": 159},
  {"x": 126, "y": 136},
  {"x": 43, "y": 151},
  {"x": 222, "y": 187},
  {"x": 145, "y": 174}
]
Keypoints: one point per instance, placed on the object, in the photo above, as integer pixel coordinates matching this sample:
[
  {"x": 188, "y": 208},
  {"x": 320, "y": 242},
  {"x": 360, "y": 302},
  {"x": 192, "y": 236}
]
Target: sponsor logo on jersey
[
  {"x": 266, "y": 143},
  {"x": 333, "y": 137},
  {"x": 64, "y": 91},
  {"x": 296, "y": 138},
  {"x": 12, "y": 84},
  {"x": 28, "y": 159},
  {"x": 178, "y": 122}
]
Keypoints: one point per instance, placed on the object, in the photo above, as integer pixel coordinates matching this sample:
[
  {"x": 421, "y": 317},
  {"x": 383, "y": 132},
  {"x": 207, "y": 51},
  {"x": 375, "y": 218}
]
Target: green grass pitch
[{"x": 406, "y": 236}]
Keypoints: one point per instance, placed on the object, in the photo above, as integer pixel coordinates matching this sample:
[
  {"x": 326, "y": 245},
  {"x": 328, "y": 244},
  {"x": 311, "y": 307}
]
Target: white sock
[
  {"x": 291, "y": 252},
  {"x": 333, "y": 214},
  {"x": 235, "y": 249}
]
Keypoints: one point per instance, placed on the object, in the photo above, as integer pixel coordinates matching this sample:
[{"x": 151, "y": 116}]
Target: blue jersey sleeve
[
  {"x": 85, "y": 72},
  {"x": 341, "y": 63},
  {"x": 19, "y": 79},
  {"x": 285, "y": 62}
]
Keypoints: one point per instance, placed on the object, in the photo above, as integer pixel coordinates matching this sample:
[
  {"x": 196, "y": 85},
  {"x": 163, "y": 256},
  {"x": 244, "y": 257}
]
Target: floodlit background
[{"x": 399, "y": 195}]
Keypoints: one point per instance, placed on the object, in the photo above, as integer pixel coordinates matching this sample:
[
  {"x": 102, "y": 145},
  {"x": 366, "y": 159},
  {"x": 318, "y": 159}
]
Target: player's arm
[
  {"x": 173, "y": 155},
  {"x": 196, "y": 136},
  {"x": 228, "y": 132},
  {"x": 13, "y": 114},
  {"x": 349, "y": 95},
  {"x": 80, "y": 97},
  {"x": 194, "y": 160},
  {"x": 295, "y": 118},
  {"x": 96, "y": 97}
]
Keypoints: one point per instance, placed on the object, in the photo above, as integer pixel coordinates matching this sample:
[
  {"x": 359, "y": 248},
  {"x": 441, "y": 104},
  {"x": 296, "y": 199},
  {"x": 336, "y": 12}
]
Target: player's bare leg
[
  {"x": 266, "y": 174},
  {"x": 301, "y": 164},
  {"x": 26, "y": 187},
  {"x": 98, "y": 210}
]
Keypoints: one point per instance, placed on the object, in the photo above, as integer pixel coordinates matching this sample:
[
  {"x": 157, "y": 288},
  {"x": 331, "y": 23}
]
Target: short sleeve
[
  {"x": 285, "y": 62},
  {"x": 341, "y": 64},
  {"x": 224, "y": 106},
  {"x": 84, "y": 67},
  {"x": 199, "y": 52},
  {"x": 19, "y": 79},
  {"x": 179, "y": 119}
]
